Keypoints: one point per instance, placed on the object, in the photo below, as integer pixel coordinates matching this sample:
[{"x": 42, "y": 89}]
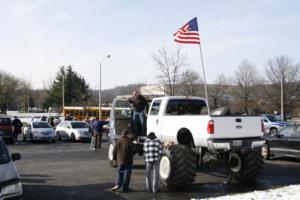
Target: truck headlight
[{"x": 12, "y": 189}]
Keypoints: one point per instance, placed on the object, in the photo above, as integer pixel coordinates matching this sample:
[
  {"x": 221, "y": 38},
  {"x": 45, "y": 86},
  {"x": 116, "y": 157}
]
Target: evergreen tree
[{"x": 76, "y": 90}]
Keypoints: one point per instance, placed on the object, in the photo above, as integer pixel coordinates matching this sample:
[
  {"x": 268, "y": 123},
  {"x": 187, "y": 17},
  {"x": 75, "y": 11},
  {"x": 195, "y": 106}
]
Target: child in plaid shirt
[{"x": 152, "y": 153}]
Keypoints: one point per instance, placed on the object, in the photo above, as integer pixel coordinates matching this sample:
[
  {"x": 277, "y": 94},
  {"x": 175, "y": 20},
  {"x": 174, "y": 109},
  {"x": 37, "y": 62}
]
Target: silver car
[
  {"x": 10, "y": 183},
  {"x": 39, "y": 130},
  {"x": 73, "y": 130}
]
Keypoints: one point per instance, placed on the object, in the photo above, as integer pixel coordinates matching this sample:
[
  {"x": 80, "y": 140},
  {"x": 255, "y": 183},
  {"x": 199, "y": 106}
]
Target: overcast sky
[{"x": 38, "y": 36}]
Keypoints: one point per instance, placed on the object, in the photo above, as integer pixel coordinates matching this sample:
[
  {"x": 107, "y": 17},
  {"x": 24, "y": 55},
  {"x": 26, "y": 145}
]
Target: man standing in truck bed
[{"x": 140, "y": 106}]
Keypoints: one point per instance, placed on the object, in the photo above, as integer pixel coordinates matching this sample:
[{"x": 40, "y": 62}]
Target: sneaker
[{"x": 116, "y": 187}]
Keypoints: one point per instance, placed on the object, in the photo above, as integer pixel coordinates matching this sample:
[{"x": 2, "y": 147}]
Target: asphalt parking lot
[{"x": 66, "y": 170}]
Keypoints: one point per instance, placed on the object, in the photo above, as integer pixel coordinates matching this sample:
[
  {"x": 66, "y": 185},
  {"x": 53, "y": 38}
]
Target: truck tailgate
[{"x": 236, "y": 126}]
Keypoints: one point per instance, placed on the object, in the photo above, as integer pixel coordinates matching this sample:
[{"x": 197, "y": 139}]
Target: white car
[
  {"x": 73, "y": 130},
  {"x": 39, "y": 130},
  {"x": 10, "y": 182}
]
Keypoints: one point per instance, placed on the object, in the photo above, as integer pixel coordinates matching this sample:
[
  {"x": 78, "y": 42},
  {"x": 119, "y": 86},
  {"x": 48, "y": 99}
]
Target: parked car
[
  {"x": 38, "y": 130},
  {"x": 10, "y": 183},
  {"x": 272, "y": 124},
  {"x": 6, "y": 129},
  {"x": 285, "y": 143},
  {"x": 73, "y": 130}
]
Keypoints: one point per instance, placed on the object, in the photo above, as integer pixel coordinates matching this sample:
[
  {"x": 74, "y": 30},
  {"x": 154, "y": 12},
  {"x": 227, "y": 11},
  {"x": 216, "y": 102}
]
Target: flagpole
[
  {"x": 189, "y": 34},
  {"x": 205, "y": 87}
]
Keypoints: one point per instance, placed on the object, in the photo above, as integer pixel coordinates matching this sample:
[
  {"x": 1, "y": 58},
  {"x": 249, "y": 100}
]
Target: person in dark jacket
[
  {"x": 140, "y": 106},
  {"x": 123, "y": 156},
  {"x": 97, "y": 127},
  {"x": 17, "y": 124}
]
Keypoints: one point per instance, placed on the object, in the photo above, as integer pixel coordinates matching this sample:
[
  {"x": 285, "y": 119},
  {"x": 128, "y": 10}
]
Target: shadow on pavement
[
  {"x": 137, "y": 166},
  {"x": 34, "y": 178},
  {"x": 81, "y": 192}
]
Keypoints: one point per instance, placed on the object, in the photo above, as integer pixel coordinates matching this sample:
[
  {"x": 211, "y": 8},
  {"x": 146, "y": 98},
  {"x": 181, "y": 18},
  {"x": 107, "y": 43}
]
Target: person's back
[
  {"x": 97, "y": 127},
  {"x": 124, "y": 151},
  {"x": 17, "y": 124},
  {"x": 152, "y": 149},
  {"x": 123, "y": 155},
  {"x": 152, "y": 153}
]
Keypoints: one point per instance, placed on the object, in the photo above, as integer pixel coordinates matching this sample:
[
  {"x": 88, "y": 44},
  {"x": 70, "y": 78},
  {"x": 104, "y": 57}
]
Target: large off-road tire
[
  {"x": 245, "y": 167},
  {"x": 110, "y": 154},
  {"x": 273, "y": 131},
  {"x": 265, "y": 152},
  {"x": 177, "y": 167}
]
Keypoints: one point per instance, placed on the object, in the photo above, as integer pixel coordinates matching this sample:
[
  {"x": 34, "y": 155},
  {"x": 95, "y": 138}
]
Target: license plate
[
  {"x": 46, "y": 133},
  {"x": 237, "y": 143}
]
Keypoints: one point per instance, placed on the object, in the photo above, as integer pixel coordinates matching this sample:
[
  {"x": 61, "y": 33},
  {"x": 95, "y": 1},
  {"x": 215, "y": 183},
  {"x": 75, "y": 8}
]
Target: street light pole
[
  {"x": 100, "y": 102},
  {"x": 28, "y": 103},
  {"x": 281, "y": 95},
  {"x": 63, "y": 92}
]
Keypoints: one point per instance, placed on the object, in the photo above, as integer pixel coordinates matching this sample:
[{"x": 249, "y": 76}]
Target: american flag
[{"x": 188, "y": 34}]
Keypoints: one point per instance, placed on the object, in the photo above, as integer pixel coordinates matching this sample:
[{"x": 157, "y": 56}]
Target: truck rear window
[{"x": 186, "y": 107}]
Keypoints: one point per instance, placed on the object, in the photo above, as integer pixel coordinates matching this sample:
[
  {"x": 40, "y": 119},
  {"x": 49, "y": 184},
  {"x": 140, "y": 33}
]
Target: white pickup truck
[{"x": 192, "y": 138}]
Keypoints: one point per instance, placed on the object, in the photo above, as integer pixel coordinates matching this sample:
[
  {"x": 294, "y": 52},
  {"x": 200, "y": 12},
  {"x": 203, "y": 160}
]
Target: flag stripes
[{"x": 188, "y": 34}]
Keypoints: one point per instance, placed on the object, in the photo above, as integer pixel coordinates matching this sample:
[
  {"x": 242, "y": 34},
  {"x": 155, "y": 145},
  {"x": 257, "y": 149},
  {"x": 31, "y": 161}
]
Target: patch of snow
[{"x": 291, "y": 192}]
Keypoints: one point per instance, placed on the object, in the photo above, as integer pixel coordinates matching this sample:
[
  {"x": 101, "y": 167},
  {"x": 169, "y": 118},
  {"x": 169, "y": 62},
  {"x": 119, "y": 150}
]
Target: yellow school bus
[{"x": 79, "y": 112}]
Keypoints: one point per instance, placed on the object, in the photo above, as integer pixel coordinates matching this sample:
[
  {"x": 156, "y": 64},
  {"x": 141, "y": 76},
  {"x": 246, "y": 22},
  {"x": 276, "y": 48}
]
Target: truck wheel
[
  {"x": 110, "y": 154},
  {"x": 177, "y": 167},
  {"x": 73, "y": 138},
  {"x": 265, "y": 152},
  {"x": 246, "y": 167},
  {"x": 273, "y": 131}
]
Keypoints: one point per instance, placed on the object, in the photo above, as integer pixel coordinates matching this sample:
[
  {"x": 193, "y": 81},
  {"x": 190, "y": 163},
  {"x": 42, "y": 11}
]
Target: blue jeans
[
  {"x": 123, "y": 179},
  {"x": 152, "y": 176},
  {"x": 139, "y": 125}
]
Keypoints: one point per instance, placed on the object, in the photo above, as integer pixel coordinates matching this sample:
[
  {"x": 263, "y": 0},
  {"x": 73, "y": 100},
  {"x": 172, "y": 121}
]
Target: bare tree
[
  {"x": 12, "y": 91},
  {"x": 283, "y": 69},
  {"x": 217, "y": 92},
  {"x": 169, "y": 66},
  {"x": 246, "y": 79},
  {"x": 189, "y": 83}
]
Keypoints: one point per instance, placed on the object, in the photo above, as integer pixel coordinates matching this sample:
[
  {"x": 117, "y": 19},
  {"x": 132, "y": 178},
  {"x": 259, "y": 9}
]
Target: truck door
[
  {"x": 153, "y": 123},
  {"x": 120, "y": 117},
  {"x": 280, "y": 145},
  {"x": 294, "y": 142}
]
